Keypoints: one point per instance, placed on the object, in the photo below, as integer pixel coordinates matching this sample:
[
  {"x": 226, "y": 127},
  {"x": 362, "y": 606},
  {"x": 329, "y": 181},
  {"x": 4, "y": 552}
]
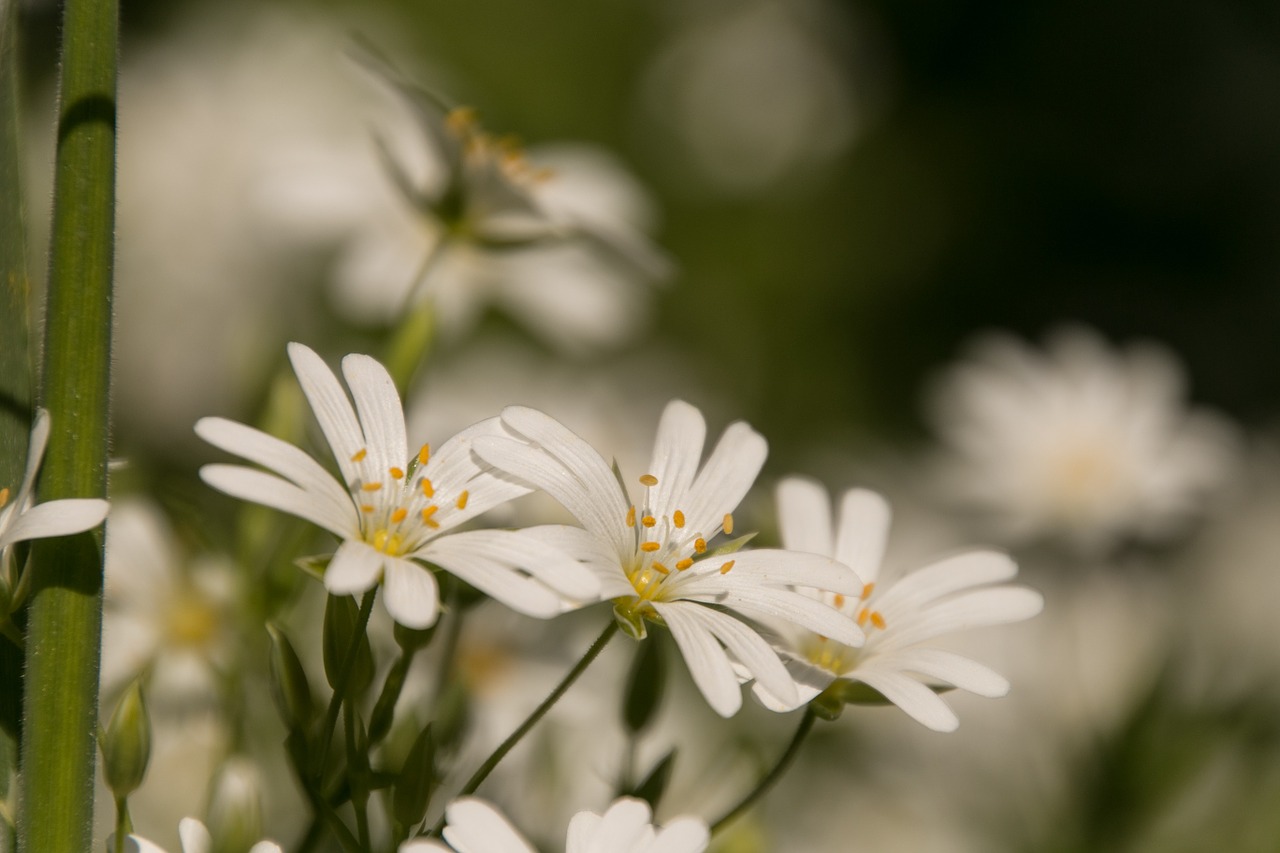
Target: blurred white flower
[
  {"x": 195, "y": 839},
  {"x": 1078, "y": 441},
  {"x": 653, "y": 556},
  {"x": 394, "y": 511},
  {"x": 475, "y": 826},
  {"x": 950, "y": 595},
  {"x": 22, "y": 519},
  {"x": 164, "y": 615}
]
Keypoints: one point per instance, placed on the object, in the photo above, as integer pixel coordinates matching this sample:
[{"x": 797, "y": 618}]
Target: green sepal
[
  {"x": 732, "y": 546},
  {"x": 315, "y": 565},
  {"x": 654, "y": 784},
  {"x": 857, "y": 693},
  {"x": 412, "y": 639},
  {"x": 827, "y": 705},
  {"x": 126, "y": 743},
  {"x": 289, "y": 686},
  {"x": 384, "y": 709},
  {"x": 416, "y": 781},
  {"x": 341, "y": 616},
  {"x": 631, "y": 622},
  {"x": 645, "y": 685}
]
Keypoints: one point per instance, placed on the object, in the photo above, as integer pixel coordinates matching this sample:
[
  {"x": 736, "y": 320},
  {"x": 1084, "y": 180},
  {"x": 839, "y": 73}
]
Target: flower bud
[
  {"x": 234, "y": 815},
  {"x": 289, "y": 685},
  {"x": 126, "y": 744}
]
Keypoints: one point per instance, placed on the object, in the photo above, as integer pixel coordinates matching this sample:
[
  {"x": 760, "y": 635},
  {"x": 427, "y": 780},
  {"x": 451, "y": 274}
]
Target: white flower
[
  {"x": 474, "y": 826},
  {"x": 964, "y": 591},
  {"x": 21, "y": 519},
  {"x": 1079, "y": 441},
  {"x": 654, "y": 557},
  {"x": 195, "y": 839},
  {"x": 391, "y": 510}
]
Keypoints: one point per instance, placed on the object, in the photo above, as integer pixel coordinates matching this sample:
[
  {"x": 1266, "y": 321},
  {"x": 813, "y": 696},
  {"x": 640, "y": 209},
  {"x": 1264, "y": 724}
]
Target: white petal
[
  {"x": 331, "y": 406},
  {"x": 454, "y": 467},
  {"x": 424, "y": 845},
  {"x": 256, "y": 486},
  {"x": 796, "y": 609},
  {"x": 921, "y": 703},
  {"x": 134, "y": 844},
  {"x": 727, "y": 477},
  {"x": 355, "y": 567},
  {"x": 410, "y": 593},
  {"x": 595, "y": 554},
  {"x": 961, "y": 672},
  {"x": 947, "y": 576},
  {"x": 809, "y": 681},
  {"x": 474, "y": 826},
  {"x": 281, "y": 457},
  {"x": 677, "y": 450},
  {"x": 55, "y": 518},
  {"x": 623, "y": 826},
  {"x": 804, "y": 516},
  {"x": 195, "y": 838},
  {"x": 266, "y": 847},
  {"x": 707, "y": 661},
  {"x": 35, "y": 454},
  {"x": 772, "y": 567},
  {"x": 682, "y": 835},
  {"x": 977, "y": 609},
  {"x": 862, "y": 532},
  {"x": 378, "y": 409}
]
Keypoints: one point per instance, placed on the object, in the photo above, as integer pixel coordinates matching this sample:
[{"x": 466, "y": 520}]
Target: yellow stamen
[
  {"x": 864, "y": 615},
  {"x": 839, "y": 601},
  {"x": 399, "y": 515},
  {"x": 728, "y": 523},
  {"x": 648, "y": 521},
  {"x": 658, "y": 567},
  {"x": 700, "y": 545},
  {"x": 867, "y": 590},
  {"x": 648, "y": 480},
  {"x": 428, "y": 489},
  {"x": 427, "y": 519},
  {"x": 371, "y": 487},
  {"x": 359, "y": 455},
  {"x": 649, "y": 547},
  {"x": 4, "y": 496},
  {"x": 631, "y": 517},
  {"x": 462, "y": 499},
  {"x": 424, "y": 454},
  {"x": 877, "y": 619},
  {"x": 685, "y": 563},
  {"x": 678, "y": 519},
  {"x": 724, "y": 570},
  {"x": 396, "y": 473},
  {"x": 367, "y": 507}
]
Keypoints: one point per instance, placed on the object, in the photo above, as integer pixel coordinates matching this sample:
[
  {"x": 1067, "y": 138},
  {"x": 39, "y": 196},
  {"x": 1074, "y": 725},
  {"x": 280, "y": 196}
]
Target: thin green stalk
[
  {"x": 340, "y": 689},
  {"x": 769, "y": 779},
  {"x": 483, "y": 771},
  {"x": 65, "y": 610}
]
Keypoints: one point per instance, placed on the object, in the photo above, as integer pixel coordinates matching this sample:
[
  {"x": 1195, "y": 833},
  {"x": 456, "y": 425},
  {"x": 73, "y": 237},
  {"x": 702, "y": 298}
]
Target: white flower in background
[
  {"x": 393, "y": 511},
  {"x": 21, "y": 519},
  {"x": 556, "y": 237},
  {"x": 655, "y": 556},
  {"x": 1078, "y": 440},
  {"x": 161, "y": 613},
  {"x": 195, "y": 839},
  {"x": 964, "y": 591},
  {"x": 474, "y": 826}
]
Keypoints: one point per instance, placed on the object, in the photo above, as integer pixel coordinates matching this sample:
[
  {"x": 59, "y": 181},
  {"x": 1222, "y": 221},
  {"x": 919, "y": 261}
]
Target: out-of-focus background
[{"x": 922, "y": 247}]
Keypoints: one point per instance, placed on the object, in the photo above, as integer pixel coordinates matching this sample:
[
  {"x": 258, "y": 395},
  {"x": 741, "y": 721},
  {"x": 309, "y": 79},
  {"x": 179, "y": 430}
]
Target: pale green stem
[{"x": 65, "y": 608}]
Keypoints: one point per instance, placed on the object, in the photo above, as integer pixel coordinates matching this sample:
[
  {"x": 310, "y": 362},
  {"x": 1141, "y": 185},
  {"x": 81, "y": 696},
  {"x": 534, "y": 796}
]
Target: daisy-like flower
[
  {"x": 964, "y": 591},
  {"x": 195, "y": 839},
  {"x": 1078, "y": 441},
  {"x": 656, "y": 555},
  {"x": 474, "y": 826},
  {"x": 22, "y": 520},
  {"x": 394, "y": 511}
]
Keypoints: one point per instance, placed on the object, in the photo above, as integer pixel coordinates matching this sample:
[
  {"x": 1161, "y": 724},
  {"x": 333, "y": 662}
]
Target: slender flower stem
[
  {"x": 65, "y": 611},
  {"x": 538, "y": 713},
  {"x": 769, "y": 779},
  {"x": 340, "y": 689}
]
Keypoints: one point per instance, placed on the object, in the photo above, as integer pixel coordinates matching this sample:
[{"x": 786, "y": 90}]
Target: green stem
[
  {"x": 359, "y": 803},
  {"x": 65, "y": 610},
  {"x": 538, "y": 713},
  {"x": 340, "y": 689},
  {"x": 769, "y": 779},
  {"x": 124, "y": 824}
]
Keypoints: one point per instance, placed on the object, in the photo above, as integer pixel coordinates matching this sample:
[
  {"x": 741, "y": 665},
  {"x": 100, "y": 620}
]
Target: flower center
[
  {"x": 837, "y": 658},
  {"x": 1081, "y": 477},
  {"x": 399, "y": 507},
  {"x": 191, "y": 621}
]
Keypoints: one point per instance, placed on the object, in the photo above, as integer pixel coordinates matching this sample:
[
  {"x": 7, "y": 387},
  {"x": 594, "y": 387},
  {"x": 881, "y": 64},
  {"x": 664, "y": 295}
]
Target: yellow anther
[
  {"x": 462, "y": 499},
  {"x": 4, "y": 496},
  {"x": 424, "y": 454},
  {"x": 649, "y": 547},
  {"x": 427, "y": 489},
  {"x": 359, "y": 455},
  {"x": 728, "y": 523},
  {"x": 839, "y": 601},
  {"x": 685, "y": 563},
  {"x": 461, "y": 119},
  {"x": 877, "y": 619},
  {"x": 371, "y": 487},
  {"x": 700, "y": 545},
  {"x": 658, "y": 567},
  {"x": 631, "y": 517},
  {"x": 367, "y": 507},
  {"x": 396, "y": 473},
  {"x": 864, "y": 615},
  {"x": 724, "y": 570},
  {"x": 399, "y": 515},
  {"x": 427, "y": 519},
  {"x": 867, "y": 590},
  {"x": 678, "y": 519},
  {"x": 648, "y": 521},
  {"x": 648, "y": 480}
]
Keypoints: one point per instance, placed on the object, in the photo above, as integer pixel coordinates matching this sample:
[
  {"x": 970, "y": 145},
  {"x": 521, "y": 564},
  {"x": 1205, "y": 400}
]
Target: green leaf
[
  {"x": 417, "y": 780},
  {"x": 289, "y": 686},
  {"x": 341, "y": 617},
  {"x": 654, "y": 785}
]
